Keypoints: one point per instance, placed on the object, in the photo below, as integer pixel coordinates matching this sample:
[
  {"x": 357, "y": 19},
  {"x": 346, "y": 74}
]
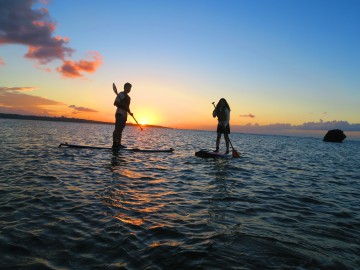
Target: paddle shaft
[{"x": 116, "y": 92}]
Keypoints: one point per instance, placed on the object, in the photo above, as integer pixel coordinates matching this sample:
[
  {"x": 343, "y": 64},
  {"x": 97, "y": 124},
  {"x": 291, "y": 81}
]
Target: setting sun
[
  {"x": 145, "y": 116},
  {"x": 143, "y": 120}
]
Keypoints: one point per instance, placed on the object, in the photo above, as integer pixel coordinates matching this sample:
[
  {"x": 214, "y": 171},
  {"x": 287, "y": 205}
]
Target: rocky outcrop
[{"x": 334, "y": 135}]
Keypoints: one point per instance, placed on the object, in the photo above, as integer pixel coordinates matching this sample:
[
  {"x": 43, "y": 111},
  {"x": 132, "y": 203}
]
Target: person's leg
[
  {"x": 218, "y": 141},
  {"x": 116, "y": 132},
  {"x": 226, "y": 136},
  {"x": 115, "y": 135},
  {"x": 122, "y": 123}
]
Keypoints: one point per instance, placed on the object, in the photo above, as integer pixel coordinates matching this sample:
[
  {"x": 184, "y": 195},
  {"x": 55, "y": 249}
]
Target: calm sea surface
[{"x": 287, "y": 203}]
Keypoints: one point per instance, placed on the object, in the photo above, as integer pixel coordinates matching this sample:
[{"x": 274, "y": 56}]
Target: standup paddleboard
[
  {"x": 211, "y": 154},
  {"x": 121, "y": 149}
]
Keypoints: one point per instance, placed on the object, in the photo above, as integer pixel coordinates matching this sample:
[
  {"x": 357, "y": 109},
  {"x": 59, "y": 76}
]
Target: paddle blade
[
  {"x": 235, "y": 154},
  {"x": 115, "y": 89}
]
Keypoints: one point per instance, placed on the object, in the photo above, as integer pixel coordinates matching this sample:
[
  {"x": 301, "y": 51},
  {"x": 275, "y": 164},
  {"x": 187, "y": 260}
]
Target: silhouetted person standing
[
  {"x": 222, "y": 112},
  {"x": 122, "y": 102}
]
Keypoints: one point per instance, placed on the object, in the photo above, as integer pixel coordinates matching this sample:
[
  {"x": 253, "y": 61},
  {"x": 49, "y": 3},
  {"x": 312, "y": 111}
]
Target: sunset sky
[{"x": 285, "y": 67}]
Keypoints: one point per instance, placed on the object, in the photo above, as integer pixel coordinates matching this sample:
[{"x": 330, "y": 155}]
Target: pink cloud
[
  {"x": 20, "y": 24},
  {"x": 307, "y": 126},
  {"x": 46, "y": 54}
]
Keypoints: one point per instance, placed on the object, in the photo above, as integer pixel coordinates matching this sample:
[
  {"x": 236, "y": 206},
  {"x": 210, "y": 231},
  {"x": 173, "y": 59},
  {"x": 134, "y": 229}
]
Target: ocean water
[{"x": 287, "y": 203}]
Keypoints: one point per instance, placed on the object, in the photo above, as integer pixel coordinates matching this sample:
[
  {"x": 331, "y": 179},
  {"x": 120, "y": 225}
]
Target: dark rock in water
[{"x": 334, "y": 135}]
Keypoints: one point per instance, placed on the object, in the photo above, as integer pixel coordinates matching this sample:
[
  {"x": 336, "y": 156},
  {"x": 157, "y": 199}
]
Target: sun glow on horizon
[
  {"x": 145, "y": 116},
  {"x": 144, "y": 120}
]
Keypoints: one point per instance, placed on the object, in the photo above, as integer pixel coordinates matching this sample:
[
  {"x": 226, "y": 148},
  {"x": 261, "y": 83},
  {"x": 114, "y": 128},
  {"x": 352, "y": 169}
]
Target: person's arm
[
  {"x": 117, "y": 101},
  {"x": 214, "y": 113}
]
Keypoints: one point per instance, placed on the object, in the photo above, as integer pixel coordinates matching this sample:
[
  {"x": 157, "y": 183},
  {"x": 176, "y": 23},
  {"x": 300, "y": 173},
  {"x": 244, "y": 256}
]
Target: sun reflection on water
[{"x": 129, "y": 219}]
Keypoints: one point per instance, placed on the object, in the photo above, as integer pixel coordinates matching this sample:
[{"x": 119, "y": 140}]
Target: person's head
[
  {"x": 127, "y": 87},
  {"x": 223, "y": 103}
]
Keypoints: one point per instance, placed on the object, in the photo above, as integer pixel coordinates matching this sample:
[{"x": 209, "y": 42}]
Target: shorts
[
  {"x": 120, "y": 121},
  {"x": 222, "y": 129}
]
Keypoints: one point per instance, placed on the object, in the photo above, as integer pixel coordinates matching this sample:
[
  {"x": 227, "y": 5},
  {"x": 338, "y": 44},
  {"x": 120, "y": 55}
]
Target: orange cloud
[
  {"x": 81, "y": 109},
  {"x": 14, "y": 100},
  {"x": 26, "y": 88},
  {"x": 2, "y": 62},
  {"x": 247, "y": 115},
  {"x": 73, "y": 69}
]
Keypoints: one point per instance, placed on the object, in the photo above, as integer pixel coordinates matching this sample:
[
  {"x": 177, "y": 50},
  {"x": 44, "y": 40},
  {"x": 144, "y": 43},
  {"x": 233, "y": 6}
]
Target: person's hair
[
  {"x": 126, "y": 85},
  {"x": 226, "y": 104}
]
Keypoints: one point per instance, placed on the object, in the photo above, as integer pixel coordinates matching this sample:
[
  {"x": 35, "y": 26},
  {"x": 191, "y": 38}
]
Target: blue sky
[{"x": 276, "y": 62}]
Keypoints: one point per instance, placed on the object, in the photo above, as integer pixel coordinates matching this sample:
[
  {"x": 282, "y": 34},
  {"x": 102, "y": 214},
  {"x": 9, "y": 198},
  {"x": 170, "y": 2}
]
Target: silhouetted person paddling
[
  {"x": 222, "y": 112},
  {"x": 122, "y": 102}
]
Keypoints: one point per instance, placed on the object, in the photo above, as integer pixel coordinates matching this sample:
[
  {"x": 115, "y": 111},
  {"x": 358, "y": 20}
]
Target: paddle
[
  {"x": 235, "y": 154},
  {"x": 116, "y": 92}
]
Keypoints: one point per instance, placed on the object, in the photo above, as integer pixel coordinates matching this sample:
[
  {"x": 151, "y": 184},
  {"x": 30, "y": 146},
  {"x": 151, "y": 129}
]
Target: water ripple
[{"x": 287, "y": 203}]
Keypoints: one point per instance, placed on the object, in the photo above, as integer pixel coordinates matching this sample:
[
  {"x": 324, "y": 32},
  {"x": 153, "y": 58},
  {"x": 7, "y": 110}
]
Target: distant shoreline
[{"x": 64, "y": 119}]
